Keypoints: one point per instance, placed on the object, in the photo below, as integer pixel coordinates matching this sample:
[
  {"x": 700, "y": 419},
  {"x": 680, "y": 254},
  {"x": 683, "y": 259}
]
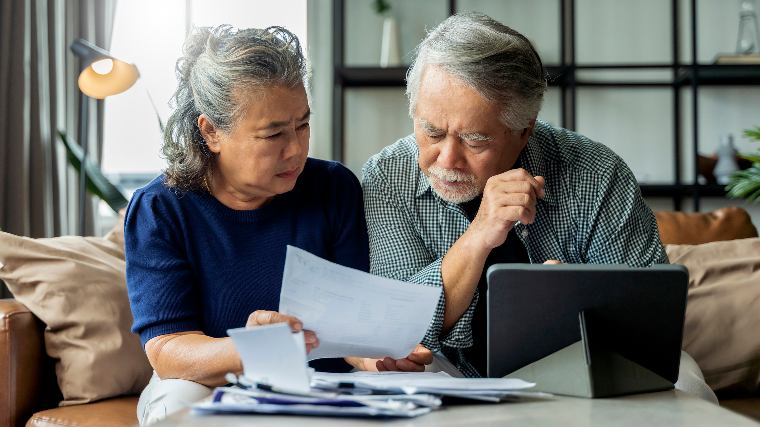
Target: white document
[
  {"x": 425, "y": 382},
  {"x": 352, "y": 312},
  {"x": 273, "y": 355}
]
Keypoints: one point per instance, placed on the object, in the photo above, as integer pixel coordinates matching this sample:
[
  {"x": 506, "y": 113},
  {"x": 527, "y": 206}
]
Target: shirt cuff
[{"x": 460, "y": 335}]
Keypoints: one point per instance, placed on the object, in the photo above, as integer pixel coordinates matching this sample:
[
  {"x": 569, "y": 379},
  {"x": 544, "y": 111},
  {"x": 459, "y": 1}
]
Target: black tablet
[{"x": 586, "y": 329}]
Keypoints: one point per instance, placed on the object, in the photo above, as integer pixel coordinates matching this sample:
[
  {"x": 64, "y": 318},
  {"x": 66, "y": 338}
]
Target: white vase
[
  {"x": 390, "y": 54},
  {"x": 726, "y": 164}
]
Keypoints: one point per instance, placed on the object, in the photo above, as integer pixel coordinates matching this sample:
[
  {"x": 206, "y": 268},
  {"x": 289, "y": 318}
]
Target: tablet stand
[{"x": 588, "y": 368}]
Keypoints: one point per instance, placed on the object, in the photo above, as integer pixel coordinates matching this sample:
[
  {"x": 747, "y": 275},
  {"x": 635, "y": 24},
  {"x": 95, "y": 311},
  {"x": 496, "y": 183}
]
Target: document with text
[{"x": 352, "y": 312}]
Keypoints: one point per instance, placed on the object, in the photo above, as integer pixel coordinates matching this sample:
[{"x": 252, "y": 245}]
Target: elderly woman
[{"x": 205, "y": 241}]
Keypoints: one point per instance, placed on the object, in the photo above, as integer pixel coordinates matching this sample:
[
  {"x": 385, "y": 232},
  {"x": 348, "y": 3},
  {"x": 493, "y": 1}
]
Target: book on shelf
[{"x": 737, "y": 59}]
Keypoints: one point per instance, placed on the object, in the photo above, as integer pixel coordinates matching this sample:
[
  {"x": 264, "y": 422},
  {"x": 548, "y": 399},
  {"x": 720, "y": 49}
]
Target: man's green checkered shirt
[{"x": 592, "y": 212}]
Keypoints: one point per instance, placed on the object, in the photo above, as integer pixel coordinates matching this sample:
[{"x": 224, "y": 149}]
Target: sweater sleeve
[{"x": 160, "y": 280}]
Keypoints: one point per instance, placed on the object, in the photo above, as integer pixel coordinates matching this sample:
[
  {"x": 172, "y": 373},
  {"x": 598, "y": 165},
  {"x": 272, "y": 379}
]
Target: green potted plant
[{"x": 745, "y": 184}]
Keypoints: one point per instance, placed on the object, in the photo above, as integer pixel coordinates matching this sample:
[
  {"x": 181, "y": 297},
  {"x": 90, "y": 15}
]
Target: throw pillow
[
  {"x": 723, "y": 310},
  {"x": 76, "y": 286}
]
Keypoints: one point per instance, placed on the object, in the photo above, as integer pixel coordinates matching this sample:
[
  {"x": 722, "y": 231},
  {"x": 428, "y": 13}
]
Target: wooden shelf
[
  {"x": 672, "y": 190},
  {"x": 707, "y": 75},
  {"x": 371, "y": 76},
  {"x": 396, "y": 76},
  {"x": 721, "y": 75}
]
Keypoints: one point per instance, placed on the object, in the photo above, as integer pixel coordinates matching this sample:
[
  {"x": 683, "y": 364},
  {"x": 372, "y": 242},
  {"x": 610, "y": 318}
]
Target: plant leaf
[
  {"x": 95, "y": 181},
  {"x": 381, "y": 6},
  {"x": 754, "y": 158},
  {"x": 753, "y": 133}
]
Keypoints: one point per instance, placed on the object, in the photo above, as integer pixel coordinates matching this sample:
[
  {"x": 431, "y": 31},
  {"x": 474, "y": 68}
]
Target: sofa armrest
[
  {"x": 684, "y": 228},
  {"x": 22, "y": 357}
]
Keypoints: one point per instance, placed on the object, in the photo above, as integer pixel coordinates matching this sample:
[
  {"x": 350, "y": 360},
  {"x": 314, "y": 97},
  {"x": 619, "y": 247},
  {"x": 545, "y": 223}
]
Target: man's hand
[
  {"x": 266, "y": 317},
  {"x": 414, "y": 362},
  {"x": 507, "y": 198}
]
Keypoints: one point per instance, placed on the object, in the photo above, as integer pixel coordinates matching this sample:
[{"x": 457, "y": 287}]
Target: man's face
[{"x": 461, "y": 138}]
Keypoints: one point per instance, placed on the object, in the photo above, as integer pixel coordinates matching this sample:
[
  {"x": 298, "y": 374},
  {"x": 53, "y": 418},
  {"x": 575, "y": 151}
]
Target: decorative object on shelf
[
  {"x": 748, "y": 40},
  {"x": 102, "y": 75},
  {"x": 706, "y": 166},
  {"x": 726, "y": 164},
  {"x": 390, "y": 53},
  {"x": 745, "y": 184}
]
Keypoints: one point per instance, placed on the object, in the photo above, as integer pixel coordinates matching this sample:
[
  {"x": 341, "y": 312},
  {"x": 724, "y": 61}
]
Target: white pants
[
  {"x": 690, "y": 379},
  {"x": 164, "y": 397}
]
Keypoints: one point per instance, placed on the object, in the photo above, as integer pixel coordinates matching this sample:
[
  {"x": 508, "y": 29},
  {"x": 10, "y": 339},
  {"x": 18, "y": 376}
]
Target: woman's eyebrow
[{"x": 279, "y": 124}]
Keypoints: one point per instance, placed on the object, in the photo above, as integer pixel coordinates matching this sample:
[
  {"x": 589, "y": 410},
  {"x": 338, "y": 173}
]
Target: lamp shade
[{"x": 102, "y": 74}]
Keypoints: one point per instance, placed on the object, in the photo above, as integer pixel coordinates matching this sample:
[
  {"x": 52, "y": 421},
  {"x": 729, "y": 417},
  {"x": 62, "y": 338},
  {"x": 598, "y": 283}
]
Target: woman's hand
[
  {"x": 266, "y": 317},
  {"x": 414, "y": 362}
]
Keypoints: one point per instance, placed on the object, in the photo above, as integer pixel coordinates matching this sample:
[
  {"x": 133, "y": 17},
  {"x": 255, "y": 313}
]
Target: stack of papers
[
  {"x": 262, "y": 401},
  {"x": 363, "y": 394},
  {"x": 435, "y": 383}
]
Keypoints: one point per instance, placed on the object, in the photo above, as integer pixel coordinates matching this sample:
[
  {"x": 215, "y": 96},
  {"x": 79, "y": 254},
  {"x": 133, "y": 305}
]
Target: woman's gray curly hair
[
  {"x": 217, "y": 62},
  {"x": 495, "y": 60}
]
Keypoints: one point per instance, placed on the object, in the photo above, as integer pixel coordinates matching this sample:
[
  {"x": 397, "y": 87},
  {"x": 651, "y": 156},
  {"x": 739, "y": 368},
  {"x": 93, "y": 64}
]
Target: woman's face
[{"x": 265, "y": 151}]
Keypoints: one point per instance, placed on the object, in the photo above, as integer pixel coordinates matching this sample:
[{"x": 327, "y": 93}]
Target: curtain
[{"x": 38, "y": 95}]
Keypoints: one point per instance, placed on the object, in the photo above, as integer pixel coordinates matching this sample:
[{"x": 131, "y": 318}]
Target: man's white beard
[{"x": 466, "y": 191}]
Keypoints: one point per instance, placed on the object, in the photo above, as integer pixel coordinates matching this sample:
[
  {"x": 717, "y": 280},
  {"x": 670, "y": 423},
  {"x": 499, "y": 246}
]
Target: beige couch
[{"x": 28, "y": 380}]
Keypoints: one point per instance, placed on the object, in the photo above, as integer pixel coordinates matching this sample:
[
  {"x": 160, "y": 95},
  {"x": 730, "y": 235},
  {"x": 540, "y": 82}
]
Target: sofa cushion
[
  {"x": 76, "y": 286},
  {"x": 118, "y": 412},
  {"x": 722, "y": 328},
  {"x": 682, "y": 228}
]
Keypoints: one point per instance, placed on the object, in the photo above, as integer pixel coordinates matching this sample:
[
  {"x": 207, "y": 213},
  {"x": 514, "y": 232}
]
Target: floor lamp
[{"x": 102, "y": 75}]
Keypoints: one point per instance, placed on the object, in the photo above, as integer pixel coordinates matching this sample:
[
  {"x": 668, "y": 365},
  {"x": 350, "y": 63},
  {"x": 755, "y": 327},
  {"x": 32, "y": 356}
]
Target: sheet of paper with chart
[{"x": 352, "y": 312}]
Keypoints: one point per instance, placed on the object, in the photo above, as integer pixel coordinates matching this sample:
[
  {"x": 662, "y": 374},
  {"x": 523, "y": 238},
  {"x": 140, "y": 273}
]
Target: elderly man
[{"x": 481, "y": 181}]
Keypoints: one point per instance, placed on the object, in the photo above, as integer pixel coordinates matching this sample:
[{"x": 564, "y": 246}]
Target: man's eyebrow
[
  {"x": 428, "y": 126},
  {"x": 475, "y": 136},
  {"x": 279, "y": 124}
]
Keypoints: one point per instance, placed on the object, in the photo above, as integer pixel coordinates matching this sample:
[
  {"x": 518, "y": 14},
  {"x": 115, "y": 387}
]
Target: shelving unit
[{"x": 565, "y": 77}]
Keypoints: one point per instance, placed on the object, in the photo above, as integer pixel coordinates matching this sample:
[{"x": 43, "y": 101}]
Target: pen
[
  {"x": 524, "y": 232},
  {"x": 244, "y": 383}
]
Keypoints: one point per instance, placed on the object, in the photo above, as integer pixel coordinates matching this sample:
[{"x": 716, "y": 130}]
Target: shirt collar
[{"x": 531, "y": 159}]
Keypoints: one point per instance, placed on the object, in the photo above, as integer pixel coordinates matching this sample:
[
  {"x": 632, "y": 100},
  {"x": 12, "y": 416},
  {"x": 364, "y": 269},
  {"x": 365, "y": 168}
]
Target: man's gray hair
[
  {"x": 495, "y": 60},
  {"x": 216, "y": 63}
]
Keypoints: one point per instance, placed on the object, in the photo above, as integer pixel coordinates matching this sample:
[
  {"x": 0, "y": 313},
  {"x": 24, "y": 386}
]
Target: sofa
[
  {"x": 28, "y": 381},
  {"x": 30, "y": 393}
]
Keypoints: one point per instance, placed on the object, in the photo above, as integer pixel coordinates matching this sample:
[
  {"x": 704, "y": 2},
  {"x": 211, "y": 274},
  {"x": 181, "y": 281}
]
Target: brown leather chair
[
  {"x": 682, "y": 228},
  {"x": 28, "y": 389}
]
